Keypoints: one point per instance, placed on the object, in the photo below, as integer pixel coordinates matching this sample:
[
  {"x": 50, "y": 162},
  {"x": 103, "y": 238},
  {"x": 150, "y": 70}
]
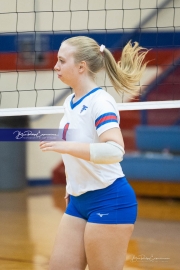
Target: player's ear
[{"x": 82, "y": 66}]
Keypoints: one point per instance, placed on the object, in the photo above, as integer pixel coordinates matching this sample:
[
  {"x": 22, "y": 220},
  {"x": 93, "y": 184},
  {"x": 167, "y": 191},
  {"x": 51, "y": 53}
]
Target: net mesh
[{"x": 32, "y": 31}]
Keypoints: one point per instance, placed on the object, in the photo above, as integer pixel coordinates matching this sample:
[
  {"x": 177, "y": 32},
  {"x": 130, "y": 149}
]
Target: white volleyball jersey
[{"x": 84, "y": 121}]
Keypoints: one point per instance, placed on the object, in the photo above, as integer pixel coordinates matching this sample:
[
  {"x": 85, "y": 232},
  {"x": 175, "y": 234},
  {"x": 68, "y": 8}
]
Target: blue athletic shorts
[{"x": 115, "y": 204}]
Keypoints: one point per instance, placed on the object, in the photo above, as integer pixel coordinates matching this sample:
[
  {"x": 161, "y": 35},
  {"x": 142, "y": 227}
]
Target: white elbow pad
[{"x": 106, "y": 153}]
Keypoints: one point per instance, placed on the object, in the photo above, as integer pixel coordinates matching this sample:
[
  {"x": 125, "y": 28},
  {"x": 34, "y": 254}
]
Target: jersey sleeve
[{"x": 105, "y": 115}]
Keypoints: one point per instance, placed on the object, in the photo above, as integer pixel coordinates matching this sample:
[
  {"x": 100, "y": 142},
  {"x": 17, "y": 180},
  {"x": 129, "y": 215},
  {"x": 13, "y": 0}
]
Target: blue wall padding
[
  {"x": 153, "y": 138},
  {"x": 151, "y": 166},
  {"x": 111, "y": 39}
]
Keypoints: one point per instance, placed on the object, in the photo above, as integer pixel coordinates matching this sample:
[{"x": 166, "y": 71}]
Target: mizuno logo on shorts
[{"x": 102, "y": 214}]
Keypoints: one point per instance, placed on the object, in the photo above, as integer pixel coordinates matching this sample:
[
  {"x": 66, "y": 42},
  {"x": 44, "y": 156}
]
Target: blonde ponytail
[{"x": 125, "y": 74}]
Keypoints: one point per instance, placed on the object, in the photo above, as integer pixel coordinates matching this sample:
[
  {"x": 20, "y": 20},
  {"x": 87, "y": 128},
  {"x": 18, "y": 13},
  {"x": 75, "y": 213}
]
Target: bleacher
[{"x": 158, "y": 155}]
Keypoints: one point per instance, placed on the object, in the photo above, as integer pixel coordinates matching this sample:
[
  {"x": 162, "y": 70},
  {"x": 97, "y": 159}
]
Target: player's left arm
[
  {"x": 76, "y": 149},
  {"x": 110, "y": 149},
  {"x": 113, "y": 134}
]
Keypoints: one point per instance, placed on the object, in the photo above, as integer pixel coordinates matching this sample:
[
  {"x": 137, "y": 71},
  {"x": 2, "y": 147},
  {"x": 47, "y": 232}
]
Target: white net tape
[{"x": 121, "y": 106}]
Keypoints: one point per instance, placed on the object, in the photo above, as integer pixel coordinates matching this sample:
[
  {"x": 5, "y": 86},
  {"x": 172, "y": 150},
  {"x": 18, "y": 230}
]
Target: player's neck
[{"x": 83, "y": 87}]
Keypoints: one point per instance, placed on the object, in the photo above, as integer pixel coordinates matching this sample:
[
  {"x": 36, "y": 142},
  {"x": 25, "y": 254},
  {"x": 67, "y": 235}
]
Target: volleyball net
[{"x": 32, "y": 31}]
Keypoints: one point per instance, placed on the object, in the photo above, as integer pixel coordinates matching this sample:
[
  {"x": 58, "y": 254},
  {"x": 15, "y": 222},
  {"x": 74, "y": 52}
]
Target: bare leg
[
  {"x": 68, "y": 252},
  {"x": 106, "y": 245}
]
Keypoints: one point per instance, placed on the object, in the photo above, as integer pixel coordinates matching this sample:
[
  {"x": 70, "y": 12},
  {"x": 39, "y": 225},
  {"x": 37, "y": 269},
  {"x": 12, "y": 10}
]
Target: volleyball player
[{"x": 101, "y": 205}]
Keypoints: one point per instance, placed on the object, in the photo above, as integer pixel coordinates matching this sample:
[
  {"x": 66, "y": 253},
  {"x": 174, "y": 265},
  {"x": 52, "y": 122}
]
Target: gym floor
[{"x": 29, "y": 220}]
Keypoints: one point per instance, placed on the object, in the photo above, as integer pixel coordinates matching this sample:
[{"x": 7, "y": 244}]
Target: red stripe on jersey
[{"x": 106, "y": 118}]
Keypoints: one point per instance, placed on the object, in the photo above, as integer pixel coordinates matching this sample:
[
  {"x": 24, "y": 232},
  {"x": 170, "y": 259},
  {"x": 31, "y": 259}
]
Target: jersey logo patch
[{"x": 84, "y": 107}]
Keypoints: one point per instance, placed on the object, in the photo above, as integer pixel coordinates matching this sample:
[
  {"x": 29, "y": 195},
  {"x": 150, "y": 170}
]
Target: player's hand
[{"x": 52, "y": 146}]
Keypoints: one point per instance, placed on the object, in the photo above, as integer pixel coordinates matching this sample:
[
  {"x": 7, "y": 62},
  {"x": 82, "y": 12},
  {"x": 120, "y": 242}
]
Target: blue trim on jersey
[
  {"x": 105, "y": 118},
  {"x": 73, "y": 105}
]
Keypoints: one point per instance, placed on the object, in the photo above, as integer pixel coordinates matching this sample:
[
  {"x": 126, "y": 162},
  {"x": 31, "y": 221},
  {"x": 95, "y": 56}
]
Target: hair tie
[{"x": 102, "y": 47}]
